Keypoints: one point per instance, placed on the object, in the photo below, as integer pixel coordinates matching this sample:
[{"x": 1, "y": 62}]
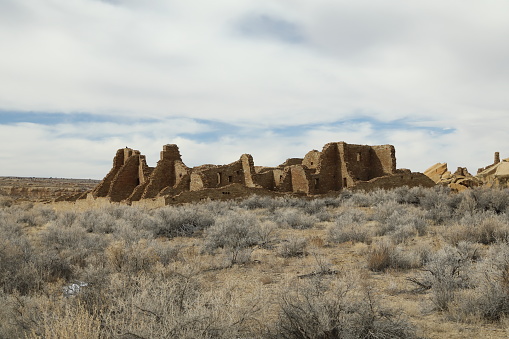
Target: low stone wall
[
  {"x": 233, "y": 191},
  {"x": 413, "y": 179}
]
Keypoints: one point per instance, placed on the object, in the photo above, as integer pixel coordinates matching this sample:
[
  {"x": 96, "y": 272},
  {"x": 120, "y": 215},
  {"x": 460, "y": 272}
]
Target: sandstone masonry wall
[{"x": 338, "y": 166}]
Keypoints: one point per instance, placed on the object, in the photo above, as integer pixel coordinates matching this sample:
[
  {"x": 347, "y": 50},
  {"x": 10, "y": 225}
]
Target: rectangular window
[
  {"x": 359, "y": 156},
  {"x": 345, "y": 183},
  {"x": 218, "y": 177},
  {"x": 317, "y": 183},
  {"x": 230, "y": 178}
]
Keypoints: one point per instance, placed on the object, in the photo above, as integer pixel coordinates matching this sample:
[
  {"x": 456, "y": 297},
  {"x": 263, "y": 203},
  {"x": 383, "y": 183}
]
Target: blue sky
[{"x": 82, "y": 78}]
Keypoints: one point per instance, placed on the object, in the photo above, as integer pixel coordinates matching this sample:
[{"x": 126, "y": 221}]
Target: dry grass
[{"x": 243, "y": 269}]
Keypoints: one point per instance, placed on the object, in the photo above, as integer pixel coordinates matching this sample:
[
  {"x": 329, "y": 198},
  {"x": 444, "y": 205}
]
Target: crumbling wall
[
  {"x": 285, "y": 180},
  {"x": 357, "y": 161},
  {"x": 291, "y": 162},
  {"x": 330, "y": 169},
  {"x": 104, "y": 187},
  {"x": 218, "y": 176},
  {"x": 164, "y": 175},
  {"x": 265, "y": 179},
  {"x": 300, "y": 179},
  {"x": 196, "y": 182},
  {"x": 126, "y": 179},
  {"x": 277, "y": 174},
  {"x": 496, "y": 160},
  {"x": 495, "y": 175},
  {"x": 248, "y": 170},
  {"x": 311, "y": 159},
  {"x": 181, "y": 175},
  {"x": 339, "y": 165},
  {"x": 403, "y": 178},
  {"x": 129, "y": 170},
  {"x": 383, "y": 160},
  {"x": 232, "y": 191},
  {"x": 138, "y": 192}
]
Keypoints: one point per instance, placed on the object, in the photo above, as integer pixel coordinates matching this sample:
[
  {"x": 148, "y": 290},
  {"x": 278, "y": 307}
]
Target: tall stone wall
[
  {"x": 165, "y": 174},
  {"x": 330, "y": 169},
  {"x": 248, "y": 170},
  {"x": 126, "y": 179},
  {"x": 300, "y": 179},
  {"x": 162, "y": 176},
  {"x": 383, "y": 160},
  {"x": 356, "y": 161}
]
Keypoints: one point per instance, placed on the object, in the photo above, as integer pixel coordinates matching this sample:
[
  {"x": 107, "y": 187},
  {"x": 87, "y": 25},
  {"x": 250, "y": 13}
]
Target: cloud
[
  {"x": 85, "y": 148},
  {"x": 265, "y": 26},
  {"x": 430, "y": 77}
]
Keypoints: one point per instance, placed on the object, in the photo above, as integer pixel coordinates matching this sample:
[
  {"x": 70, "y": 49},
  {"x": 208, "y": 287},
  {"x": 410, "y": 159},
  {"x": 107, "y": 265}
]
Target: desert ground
[
  {"x": 43, "y": 189},
  {"x": 404, "y": 263}
]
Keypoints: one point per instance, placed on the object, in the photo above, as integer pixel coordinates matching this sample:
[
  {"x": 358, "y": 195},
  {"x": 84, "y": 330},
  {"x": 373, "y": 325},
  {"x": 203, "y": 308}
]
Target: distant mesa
[
  {"x": 338, "y": 166},
  {"x": 45, "y": 189}
]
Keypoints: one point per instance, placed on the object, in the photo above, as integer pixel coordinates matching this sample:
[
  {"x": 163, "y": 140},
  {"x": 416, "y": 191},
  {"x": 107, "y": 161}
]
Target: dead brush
[
  {"x": 483, "y": 229},
  {"x": 341, "y": 308},
  {"x": 385, "y": 255},
  {"x": 379, "y": 257},
  {"x": 491, "y": 300},
  {"x": 293, "y": 246},
  {"x": 317, "y": 242}
]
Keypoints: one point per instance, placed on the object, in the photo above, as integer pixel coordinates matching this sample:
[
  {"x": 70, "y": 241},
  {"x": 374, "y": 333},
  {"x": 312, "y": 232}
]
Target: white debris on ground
[{"x": 73, "y": 289}]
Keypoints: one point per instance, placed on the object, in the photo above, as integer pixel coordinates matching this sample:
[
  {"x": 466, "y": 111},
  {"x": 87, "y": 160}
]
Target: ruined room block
[{"x": 338, "y": 166}]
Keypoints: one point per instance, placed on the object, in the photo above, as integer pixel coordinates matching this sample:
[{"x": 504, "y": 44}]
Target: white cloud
[
  {"x": 87, "y": 149},
  {"x": 257, "y": 65}
]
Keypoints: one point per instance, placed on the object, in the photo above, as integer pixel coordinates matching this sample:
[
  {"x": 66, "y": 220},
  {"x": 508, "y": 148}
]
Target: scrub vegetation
[{"x": 403, "y": 263}]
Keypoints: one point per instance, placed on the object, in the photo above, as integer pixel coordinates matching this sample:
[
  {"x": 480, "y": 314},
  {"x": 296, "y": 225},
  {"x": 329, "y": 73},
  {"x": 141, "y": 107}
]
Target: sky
[{"x": 80, "y": 79}]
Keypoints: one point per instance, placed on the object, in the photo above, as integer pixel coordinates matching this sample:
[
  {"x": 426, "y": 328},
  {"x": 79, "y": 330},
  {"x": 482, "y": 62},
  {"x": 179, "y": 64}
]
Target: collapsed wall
[{"x": 338, "y": 166}]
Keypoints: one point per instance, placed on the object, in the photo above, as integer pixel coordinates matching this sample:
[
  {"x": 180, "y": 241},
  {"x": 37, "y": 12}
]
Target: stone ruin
[
  {"x": 495, "y": 175},
  {"x": 338, "y": 166}
]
